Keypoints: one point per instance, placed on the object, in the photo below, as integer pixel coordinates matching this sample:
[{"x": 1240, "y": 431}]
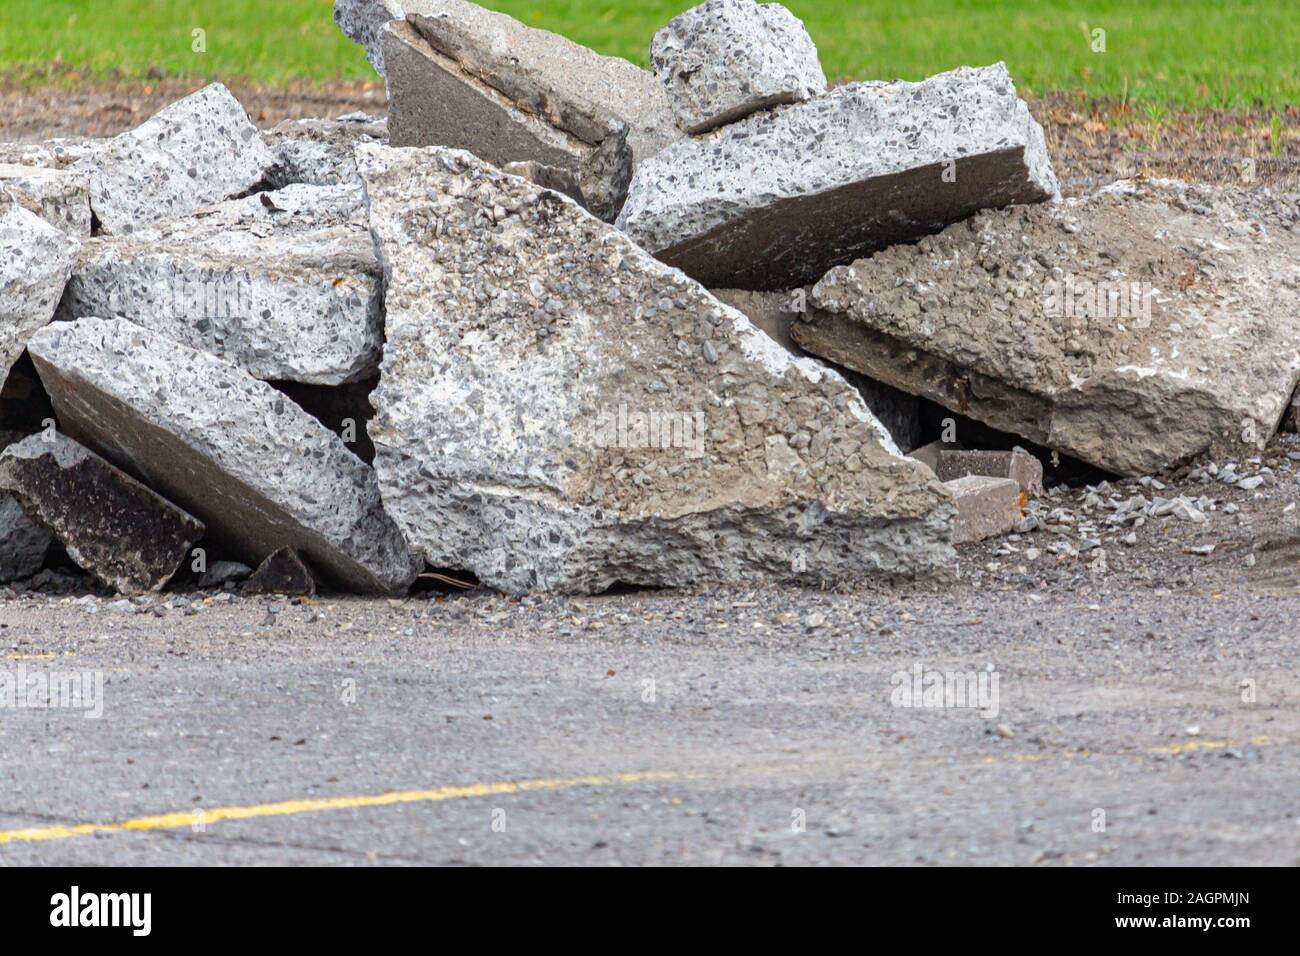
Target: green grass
[{"x": 1176, "y": 52}]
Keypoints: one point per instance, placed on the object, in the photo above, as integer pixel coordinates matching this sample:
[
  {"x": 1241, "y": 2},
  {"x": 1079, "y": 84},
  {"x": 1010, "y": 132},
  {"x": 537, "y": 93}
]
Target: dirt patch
[{"x": 31, "y": 114}]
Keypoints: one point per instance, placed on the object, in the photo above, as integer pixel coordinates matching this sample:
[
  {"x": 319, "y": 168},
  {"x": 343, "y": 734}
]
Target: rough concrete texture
[
  {"x": 777, "y": 199},
  {"x": 35, "y": 262},
  {"x": 434, "y": 101},
  {"x": 1017, "y": 464},
  {"x": 199, "y": 150},
  {"x": 725, "y": 59},
  {"x": 258, "y": 470},
  {"x": 24, "y": 542},
  {"x": 111, "y": 525},
  {"x": 362, "y": 22},
  {"x": 58, "y": 153},
  {"x": 318, "y": 152},
  {"x": 59, "y": 196},
  {"x": 986, "y": 507},
  {"x": 283, "y": 572},
  {"x": 570, "y": 86},
  {"x": 284, "y": 284},
  {"x": 559, "y": 411},
  {"x": 1135, "y": 328},
  {"x": 775, "y": 312}
]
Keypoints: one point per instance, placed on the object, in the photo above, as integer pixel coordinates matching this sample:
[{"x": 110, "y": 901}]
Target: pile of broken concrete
[{"x": 560, "y": 322}]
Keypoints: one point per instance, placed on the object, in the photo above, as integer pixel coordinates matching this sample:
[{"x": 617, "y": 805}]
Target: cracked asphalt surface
[{"x": 752, "y": 711}]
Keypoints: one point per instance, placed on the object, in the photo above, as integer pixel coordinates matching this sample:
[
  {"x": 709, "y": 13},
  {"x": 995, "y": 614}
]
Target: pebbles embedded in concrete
[
  {"x": 59, "y": 196},
  {"x": 199, "y": 150},
  {"x": 548, "y": 419},
  {"x": 775, "y": 200},
  {"x": 35, "y": 262},
  {"x": 1134, "y": 328},
  {"x": 725, "y": 59},
  {"x": 284, "y": 284}
]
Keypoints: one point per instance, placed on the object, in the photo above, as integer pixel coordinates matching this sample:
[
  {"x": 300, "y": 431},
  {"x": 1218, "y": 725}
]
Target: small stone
[
  {"x": 223, "y": 572},
  {"x": 283, "y": 572},
  {"x": 985, "y": 507}
]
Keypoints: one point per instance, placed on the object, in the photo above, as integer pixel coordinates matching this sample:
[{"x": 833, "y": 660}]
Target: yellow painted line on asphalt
[{"x": 191, "y": 818}]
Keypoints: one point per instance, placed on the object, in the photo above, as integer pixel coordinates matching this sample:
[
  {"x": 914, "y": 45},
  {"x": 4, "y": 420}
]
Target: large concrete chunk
[
  {"x": 35, "y": 262},
  {"x": 199, "y": 150},
  {"x": 111, "y": 525},
  {"x": 777, "y": 199},
  {"x": 559, "y": 411},
  {"x": 725, "y": 59},
  {"x": 258, "y": 470},
  {"x": 59, "y": 196},
  {"x": 1134, "y": 328},
  {"x": 284, "y": 284},
  {"x": 432, "y": 101},
  {"x": 318, "y": 152},
  {"x": 469, "y": 78}
]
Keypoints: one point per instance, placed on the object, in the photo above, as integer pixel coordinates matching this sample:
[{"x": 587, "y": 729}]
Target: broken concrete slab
[
  {"x": 1017, "y": 464},
  {"x": 558, "y": 411},
  {"x": 432, "y": 101},
  {"x": 110, "y": 524},
  {"x": 1134, "y": 329},
  {"x": 754, "y": 206},
  {"x": 59, "y": 196},
  {"x": 362, "y": 21},
  {"x": 318, "y": 152},
  {"x": 775, "y": 314},
  {"x": 24, "y": 542},
  {"x": 283, "y": 572},
  {"x": 570, "y": 86},
  {"x": 284, "y": 284},
  {"x": 199, "y": 150},
  {"x": 35, "y": 262},
  {"x": 986, "y": 507},
  {"x": 725, "y": 59},
  {"x": 231, "y": 450}
]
